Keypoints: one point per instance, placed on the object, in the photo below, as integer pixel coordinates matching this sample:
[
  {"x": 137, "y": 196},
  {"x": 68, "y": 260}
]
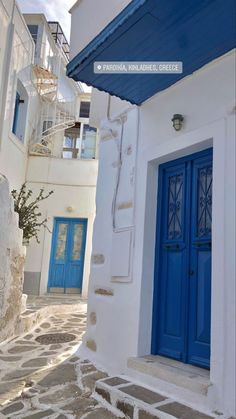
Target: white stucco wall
[
  {"x": 86, "y": 24},
  {"x": 73, "y": 181},
  {"x": 74, "y": 185},
  {"x": 102, "y": 106},
  {"x": 16, "y": 58},
  {"x": 124, "y": 319},
  {"x": 12, "y": 257},
  {"x": 5, "y": 15}
]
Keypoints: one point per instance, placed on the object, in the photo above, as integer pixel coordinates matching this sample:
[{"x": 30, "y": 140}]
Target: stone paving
[
  {"x": 49, "y": 380},
  {"x": 40, "y": 308},
  {"x": 37, "y": 302}
]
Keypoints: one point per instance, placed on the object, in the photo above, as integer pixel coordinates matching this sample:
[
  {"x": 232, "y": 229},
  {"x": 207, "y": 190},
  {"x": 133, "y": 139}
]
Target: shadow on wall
[{"x": 12, "y": 258}]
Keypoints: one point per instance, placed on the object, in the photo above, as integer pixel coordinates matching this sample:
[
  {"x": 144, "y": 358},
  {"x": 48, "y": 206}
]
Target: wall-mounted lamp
[{"x": 177, "y": 120}]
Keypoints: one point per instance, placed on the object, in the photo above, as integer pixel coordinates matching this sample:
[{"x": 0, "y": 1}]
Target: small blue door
[
  {"x": 182, "y": 290},
  {"x": 67, "y": 255}
]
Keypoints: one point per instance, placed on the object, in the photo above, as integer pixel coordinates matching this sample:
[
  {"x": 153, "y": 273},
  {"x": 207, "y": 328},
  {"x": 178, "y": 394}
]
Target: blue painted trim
[
  {"x": 188, "y": 157},
  {"x": 157, "y": 282},
  {"x": 69, "y": 221},
  {"x": 188, "y": 216},
  {"x": 175, "y": 163},
  {"x": 102, "y": 36},
  {"x": 16, "y": 113},
  {"x": 66, "y": 219},
  {"x": 177, "y": 31},
  {"x": 198, "y": 351}
]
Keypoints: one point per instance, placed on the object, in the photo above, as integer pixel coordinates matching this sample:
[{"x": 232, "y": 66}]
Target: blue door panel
[
  {"x": 171, "y": 341},
  {"x": 173, "y": 312},
  {"x": 200, "y": 256},
  {"x": 77, "y": 240},
  {"x": 67, "y": 254},
  {"x": 182, "y": 290},
  {"x": 202, "y": 301},
  {"x": 58, "y": 254},
  {"x": 57, "y": 277},
  {"x": 75, "y": 276}
]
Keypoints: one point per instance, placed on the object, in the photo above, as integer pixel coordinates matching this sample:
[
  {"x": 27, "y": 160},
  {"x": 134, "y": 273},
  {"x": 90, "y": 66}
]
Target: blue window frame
[
  {"x": 16, "y": 113},
  {"x": 34, "y": 32}
]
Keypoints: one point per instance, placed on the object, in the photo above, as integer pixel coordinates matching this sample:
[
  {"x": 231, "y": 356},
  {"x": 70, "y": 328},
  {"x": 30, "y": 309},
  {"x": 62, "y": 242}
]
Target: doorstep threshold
[{"x": 174, "y": 372}]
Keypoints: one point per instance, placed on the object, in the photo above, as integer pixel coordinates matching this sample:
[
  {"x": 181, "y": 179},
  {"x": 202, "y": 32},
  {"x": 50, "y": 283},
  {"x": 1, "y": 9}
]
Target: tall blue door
[
  {"x": 182, "y": 290},
  {"x": 67, "y": 255}
]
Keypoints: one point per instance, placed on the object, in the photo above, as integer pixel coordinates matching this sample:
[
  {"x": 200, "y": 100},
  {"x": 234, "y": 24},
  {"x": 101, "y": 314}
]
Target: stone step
[
  {"x": 186, "y": 376},
  {"x": 35, "y": 315},
  {"x": 132, "y": 401}
]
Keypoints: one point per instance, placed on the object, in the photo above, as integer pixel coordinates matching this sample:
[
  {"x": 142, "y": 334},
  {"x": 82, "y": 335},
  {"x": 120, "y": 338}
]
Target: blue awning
[{"x": 192, "y": 31}]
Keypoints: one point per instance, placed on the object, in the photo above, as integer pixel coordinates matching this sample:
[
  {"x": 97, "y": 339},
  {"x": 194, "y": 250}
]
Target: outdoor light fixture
[{"x": 177, "y": 121}]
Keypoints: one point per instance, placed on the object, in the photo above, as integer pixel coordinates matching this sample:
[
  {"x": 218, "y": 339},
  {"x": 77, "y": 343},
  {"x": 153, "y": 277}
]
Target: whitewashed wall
[
  {"x": 5, "y": 16},
  {"x": 83, "y": 30},
  {"x": 12, "y": 256},
  {"x": 74, "y": 185},
  {"x": 73, "y": 181},
  {"x": 19, "y": 49},
  {"x": 123, "y": 305}
]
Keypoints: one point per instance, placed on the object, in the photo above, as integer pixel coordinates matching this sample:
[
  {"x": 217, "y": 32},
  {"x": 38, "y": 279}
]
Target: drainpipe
[{"x": 6, "y": 70}]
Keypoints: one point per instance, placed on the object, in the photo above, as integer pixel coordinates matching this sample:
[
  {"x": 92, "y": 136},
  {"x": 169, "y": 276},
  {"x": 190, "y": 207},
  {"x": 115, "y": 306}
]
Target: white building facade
[
  {"x": 17, "y": 52},
  {"x": 162, "y": 284},
  {"x": 46, "y": 141}
]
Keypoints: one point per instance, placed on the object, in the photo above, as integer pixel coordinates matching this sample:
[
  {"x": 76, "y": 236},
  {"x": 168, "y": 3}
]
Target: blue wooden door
[
  {"x": 182, "y": 290},
  {"x": 67, "y": 255}
]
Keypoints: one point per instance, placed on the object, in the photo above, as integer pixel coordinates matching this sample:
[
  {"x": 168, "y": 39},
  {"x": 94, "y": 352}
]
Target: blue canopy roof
[{"x": 192, "y": 31}]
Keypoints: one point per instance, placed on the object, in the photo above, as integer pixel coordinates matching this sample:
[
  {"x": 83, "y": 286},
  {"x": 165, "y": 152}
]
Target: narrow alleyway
[{"x": 41, "y": 377}]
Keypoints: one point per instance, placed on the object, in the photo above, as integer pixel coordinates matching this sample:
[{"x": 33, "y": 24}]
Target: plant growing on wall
[{"x": 29, "y": 216}]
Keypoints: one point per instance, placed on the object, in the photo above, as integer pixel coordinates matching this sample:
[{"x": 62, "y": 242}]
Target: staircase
[
  {"x": 55, "y": 114},
  {"x": 130, "y": 400}
]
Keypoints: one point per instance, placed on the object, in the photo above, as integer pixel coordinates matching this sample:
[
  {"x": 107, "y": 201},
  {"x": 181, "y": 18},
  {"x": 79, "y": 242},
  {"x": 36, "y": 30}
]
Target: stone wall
[{"x": 12, "y": 257}]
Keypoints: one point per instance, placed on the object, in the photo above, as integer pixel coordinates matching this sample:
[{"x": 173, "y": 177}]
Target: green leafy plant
[{"x": 29, "y": 216}]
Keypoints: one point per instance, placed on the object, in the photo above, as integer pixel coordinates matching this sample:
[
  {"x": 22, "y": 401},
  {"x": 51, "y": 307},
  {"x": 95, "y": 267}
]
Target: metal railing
[
  {"x": 57, "y": 114},
  {"x": 55, "y": 117}
]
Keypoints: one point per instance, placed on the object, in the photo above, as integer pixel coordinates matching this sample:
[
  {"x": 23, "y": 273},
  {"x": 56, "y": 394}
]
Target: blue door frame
[
  {"x": 182, "y": 283},
  {"x": 67, "y": 255}
]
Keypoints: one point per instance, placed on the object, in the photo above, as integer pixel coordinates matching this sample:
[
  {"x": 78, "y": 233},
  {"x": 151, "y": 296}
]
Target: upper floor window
[
  {"x": 89, "y": 137},
  {"x": 71, "y": 145},
  {"x": 70, "y": 148},
  {"x": 47, "y": 125},
  {"x": 34, "y": 32},
  {"x": 84, "y": 109},
  {"x": 80, "y": 142},
  {"x": 20, "y": 112}
]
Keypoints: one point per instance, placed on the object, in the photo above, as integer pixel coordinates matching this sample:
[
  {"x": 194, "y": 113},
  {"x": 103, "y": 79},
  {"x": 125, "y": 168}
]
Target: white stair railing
[
  {"x": 56, "y": 117},
  {"x": 56, "y": 114}
]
